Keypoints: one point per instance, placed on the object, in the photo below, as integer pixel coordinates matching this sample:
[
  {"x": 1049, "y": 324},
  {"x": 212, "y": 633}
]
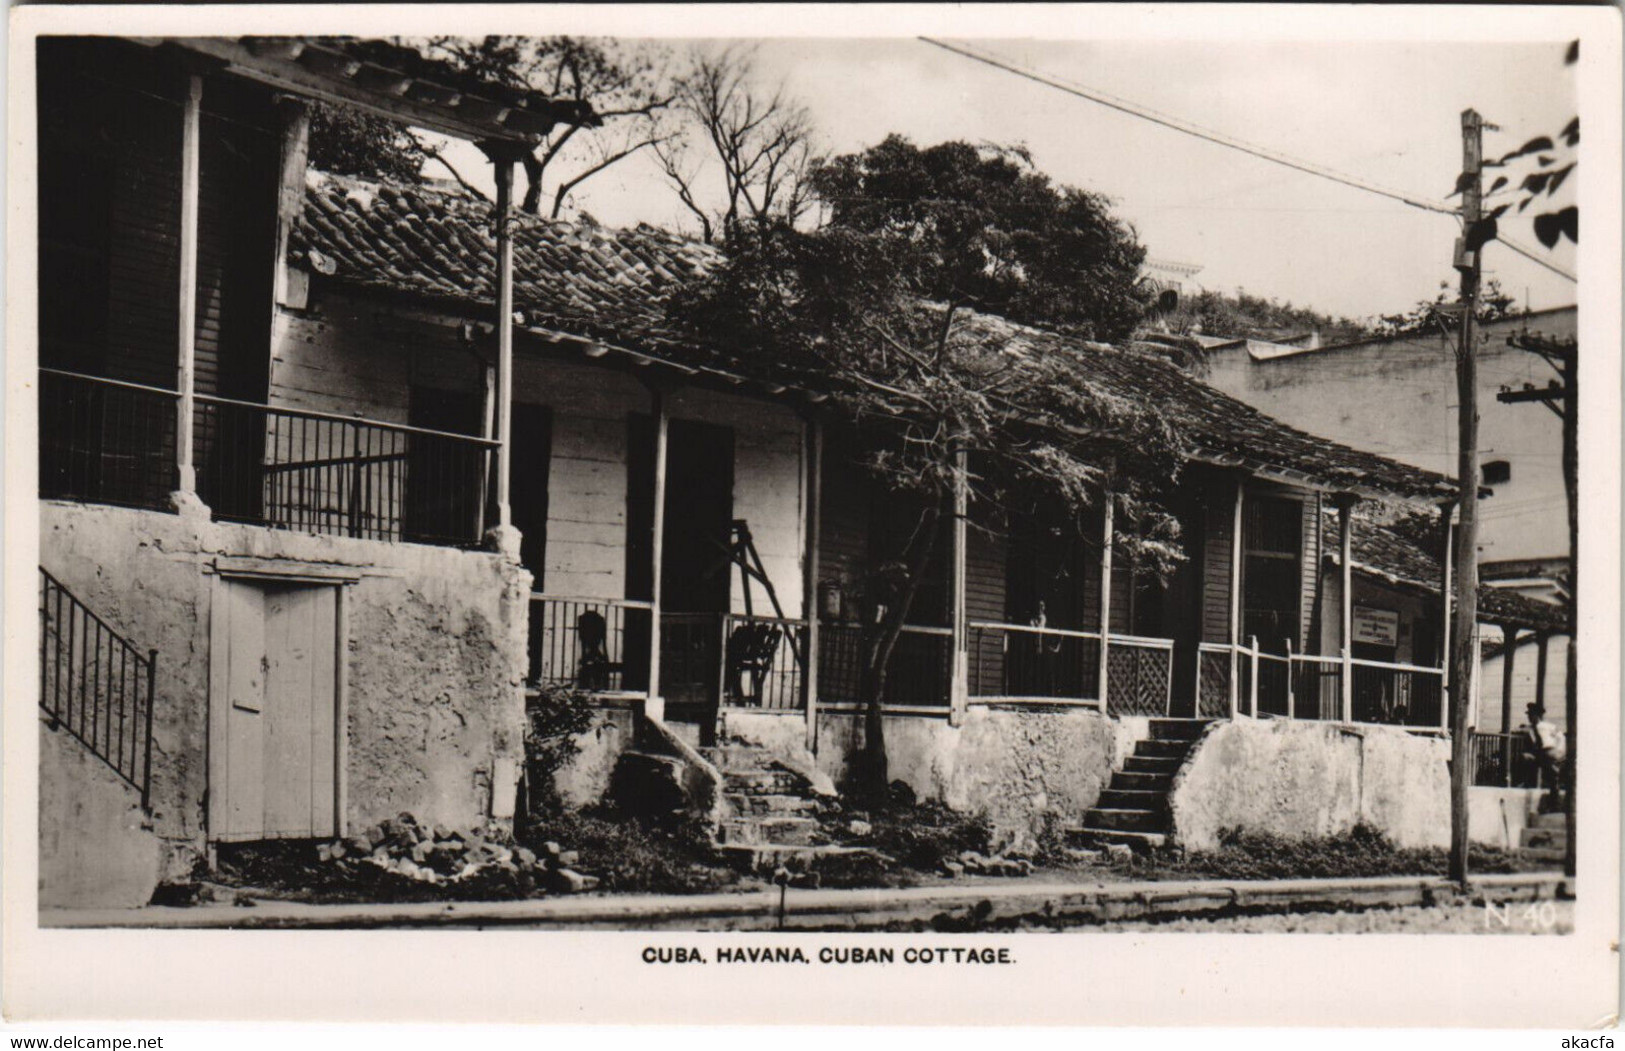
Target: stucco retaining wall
[
  {"x": 585, "y": 779},
  {"x": 1308, "y": 780},
  {"x": 1018, "y": 768},
  {"x": 1496, "y": 817},
  {"x": 95, "y": 849},
  {"x": 436, "y": 657}
]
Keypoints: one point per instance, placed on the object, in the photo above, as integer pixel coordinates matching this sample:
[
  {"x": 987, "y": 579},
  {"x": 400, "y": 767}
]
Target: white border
[{"x": 1161, "y": 979}]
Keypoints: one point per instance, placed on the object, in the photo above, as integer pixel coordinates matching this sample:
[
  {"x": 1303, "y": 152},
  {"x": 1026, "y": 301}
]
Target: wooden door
[{"x": 274, "y": 755}]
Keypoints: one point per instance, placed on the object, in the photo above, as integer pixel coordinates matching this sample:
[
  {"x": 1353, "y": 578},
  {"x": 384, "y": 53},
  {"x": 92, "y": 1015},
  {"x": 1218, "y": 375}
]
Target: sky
[{"x": 1382, "y": 111}]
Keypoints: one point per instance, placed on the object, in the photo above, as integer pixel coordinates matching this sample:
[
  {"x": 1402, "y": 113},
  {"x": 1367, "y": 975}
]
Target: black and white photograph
[{"x": 706, "y": 501}]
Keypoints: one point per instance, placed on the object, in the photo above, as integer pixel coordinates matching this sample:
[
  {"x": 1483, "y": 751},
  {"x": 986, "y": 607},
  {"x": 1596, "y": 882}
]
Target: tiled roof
[
  {"x": 1383, "y": 553},
  {"x": 612, "y": 285}
]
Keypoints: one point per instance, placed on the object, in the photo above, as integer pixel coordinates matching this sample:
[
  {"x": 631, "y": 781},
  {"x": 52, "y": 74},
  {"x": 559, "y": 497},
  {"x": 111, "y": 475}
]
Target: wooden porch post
[
  {"x": 1235, "y": 601},
  {"x": 655, "y": 705},
  {"x": 814, "y": 488},
  {"x": 191, "y": 121},
  {"x": 1509, "y": 653},
  {"x": 1108, "y": 530},
  {"x": 503, "y": 163},
  {"x": 1541, "y": 639},
  {"x": 1345, "y": 542},
  {"x": 959, "y": 676},
  {"x": 290, "y": 201}
]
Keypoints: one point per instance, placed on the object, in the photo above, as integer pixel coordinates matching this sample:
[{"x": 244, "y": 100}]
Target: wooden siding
[
  {"x": 112, "y": 104},
  {"x": 1218, "y": 525}
]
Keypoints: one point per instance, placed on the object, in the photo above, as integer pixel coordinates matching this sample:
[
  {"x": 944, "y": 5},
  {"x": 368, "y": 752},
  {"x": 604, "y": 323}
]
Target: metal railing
[
  {"x": 1139, "y": 675},
  {"x": 764, "y": 661},
  {"x": 111, "y": 442},
  {"x": 105, "y": 441},
  {"x": 1505, "y": 760},
  {"x": 1024, "y": 662},
  {"x": 317, "y": 472},
  {"x": 916, "y": 677},
  {"x": 97, "y": 685},
  {"x": 1394, "y": 694},
  {"x": 583, "y": 642}
]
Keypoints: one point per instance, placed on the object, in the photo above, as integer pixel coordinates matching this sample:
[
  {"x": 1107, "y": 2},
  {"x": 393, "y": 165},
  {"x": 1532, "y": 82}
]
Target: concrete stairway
[
  {"x": 1545, "y": 838},
  {"x": 769, "y": 813},
  {"x": 1133, "y": 808}
]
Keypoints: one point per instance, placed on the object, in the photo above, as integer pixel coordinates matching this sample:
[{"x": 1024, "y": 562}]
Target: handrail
[
  {"x": 334, "y": 417},
  {"x": 1031, "y": 629},
  {"x": 79, "y": 698},
  {"x": 623, "y": 603},
  {"x": 109, "y": 381},
  {"x": 1394, "y": 666},
  {"x": 1149, "y": 642}
]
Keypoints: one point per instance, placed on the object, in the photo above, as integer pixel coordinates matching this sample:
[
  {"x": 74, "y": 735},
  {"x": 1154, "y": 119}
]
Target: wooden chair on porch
[
  {"x": 594, "y": 669},
  {"x": 751, "y": 649}
]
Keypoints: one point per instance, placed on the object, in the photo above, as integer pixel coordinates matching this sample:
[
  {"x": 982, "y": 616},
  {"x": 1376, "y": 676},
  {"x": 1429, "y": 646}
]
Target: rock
[
  {"x": 324, "y": 852},
  {"x": 572, "y": 882},
  {"x": 374, "y": 835},
  {"x": 953, "y": 869},
  {"x": 525, "y": 857},
  {"x": 1024, "y": 867},
  {"x": 569, "y": 858},
  {"x": 551, "y": 849},
  {"x": 421, "y": 850},
  {"x": 360, "y": 845},
  {"x": 442, "y": 833},
  {"x": 859, "y": 828},
  {"x": 338, "y": 849},
  {"x": 1119, "y": 852},
  {"x": 379, "y": 856}
]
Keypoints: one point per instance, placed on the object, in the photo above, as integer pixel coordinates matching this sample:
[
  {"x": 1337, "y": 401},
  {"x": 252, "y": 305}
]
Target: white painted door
[{"x": 273, "y": 744}]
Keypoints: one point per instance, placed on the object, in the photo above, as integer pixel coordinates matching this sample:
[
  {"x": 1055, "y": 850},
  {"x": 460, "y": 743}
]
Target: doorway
[{"x": 275, "y": 746}]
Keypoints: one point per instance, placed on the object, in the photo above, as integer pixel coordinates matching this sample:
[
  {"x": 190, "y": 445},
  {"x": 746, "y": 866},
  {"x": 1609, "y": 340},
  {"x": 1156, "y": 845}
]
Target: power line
[
  {"x": 1221, "y": 139},
  {"x": 1189, "y": 128}
]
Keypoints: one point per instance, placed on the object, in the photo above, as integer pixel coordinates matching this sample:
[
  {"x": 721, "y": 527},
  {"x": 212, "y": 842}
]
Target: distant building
[{"x": 1175, "y": 275}]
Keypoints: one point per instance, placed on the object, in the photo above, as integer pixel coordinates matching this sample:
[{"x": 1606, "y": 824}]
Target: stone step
[
  {"x": 1544, "y": 837},
  {"x": 1161, "y": 749},
  {"x": 1129, "y": 781},
  {"x": 1552, "y": 854},
  {"x": 1140, "y": 842},
  {"x": 737, "y": 757},
  {"x": 1146, "y": 764},
  {"x": 1132, "y": 799},
  {"x": 1126, "y": 820},
  {"x": 1549, "y": 821},
  {"x": 785, "y": 831},
  {"x": 1177, "y": 729},
  {"x": 765, "y": 857},
  {"x": 761, "y": 782},
  {"x": 745, "y": 803}
]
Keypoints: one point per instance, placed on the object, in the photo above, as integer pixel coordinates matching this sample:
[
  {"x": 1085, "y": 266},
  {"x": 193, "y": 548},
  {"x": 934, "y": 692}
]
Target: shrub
[{"x": 554, "y": 718}]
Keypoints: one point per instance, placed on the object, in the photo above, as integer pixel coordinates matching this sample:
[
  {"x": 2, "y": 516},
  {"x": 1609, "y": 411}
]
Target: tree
[
  {"x": 1254, "y": 317},
  {"x": 875, "y": 313},
  {"x": 624, "y": 87},
  {"x": 758, "y": 142},
  {"x": 993, "y": 232}
]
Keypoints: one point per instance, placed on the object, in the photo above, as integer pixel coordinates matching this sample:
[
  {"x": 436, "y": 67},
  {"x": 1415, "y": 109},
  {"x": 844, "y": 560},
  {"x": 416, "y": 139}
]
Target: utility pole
[
  {"x": 1463, "y": 651},
  {"x": 1563, "y": 398}
]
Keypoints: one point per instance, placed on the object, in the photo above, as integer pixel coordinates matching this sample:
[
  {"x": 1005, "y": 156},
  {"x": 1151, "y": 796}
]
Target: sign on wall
[{"x": 1379, "y": 627}]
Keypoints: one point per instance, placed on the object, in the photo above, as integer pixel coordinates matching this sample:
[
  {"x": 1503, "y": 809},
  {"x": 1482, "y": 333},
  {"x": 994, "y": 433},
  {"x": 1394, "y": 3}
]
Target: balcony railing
[
  {"x": 314, "y": 472},
  {"x": 1139, "y": 675},
  {"x": 97, "y": 685},
  {"x": 105, "y": 441},
  {"x": 1023, "y": 662},
  {"x": 916, "y": 677},
  {"x": 1506, "y": 760},
  {"x": 602, "y": 646}
]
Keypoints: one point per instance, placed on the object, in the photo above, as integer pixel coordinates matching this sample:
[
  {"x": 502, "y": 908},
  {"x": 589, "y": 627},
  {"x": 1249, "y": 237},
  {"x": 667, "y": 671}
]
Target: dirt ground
[{"x": 1547, "y": 917}]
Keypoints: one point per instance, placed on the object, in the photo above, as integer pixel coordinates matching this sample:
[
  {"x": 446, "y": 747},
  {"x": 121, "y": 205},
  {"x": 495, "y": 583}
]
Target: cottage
[{"x": 411, "y": 458}]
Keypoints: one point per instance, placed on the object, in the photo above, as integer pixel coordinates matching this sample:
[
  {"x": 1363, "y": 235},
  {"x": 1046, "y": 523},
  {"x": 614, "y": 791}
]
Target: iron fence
[
  {"x": 1397, "y": 694},
  {"x": 105, "y": 441},
  {"x": 583, "y": 642},
  {"x": 1506, "y": 760},
  {"x": 315, "y": 472},
  {"x": 764, "y": 661},
  {"x": 917, "y": 676},
  {"x": 97, "y": 685},
  {"x": 1033, "y": 663}
]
